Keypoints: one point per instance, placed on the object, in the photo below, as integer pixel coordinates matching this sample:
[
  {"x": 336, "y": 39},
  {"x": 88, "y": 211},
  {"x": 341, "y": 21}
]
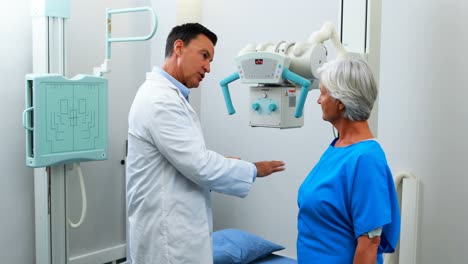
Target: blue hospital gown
[{"x": 347, "y": 194}]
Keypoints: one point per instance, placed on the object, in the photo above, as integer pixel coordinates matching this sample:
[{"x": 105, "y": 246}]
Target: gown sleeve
[{"x": 374, "y": 202}]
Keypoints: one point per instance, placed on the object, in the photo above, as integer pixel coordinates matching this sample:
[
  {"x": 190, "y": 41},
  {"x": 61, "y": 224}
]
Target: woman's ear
[{"x": 341, "y": 106}]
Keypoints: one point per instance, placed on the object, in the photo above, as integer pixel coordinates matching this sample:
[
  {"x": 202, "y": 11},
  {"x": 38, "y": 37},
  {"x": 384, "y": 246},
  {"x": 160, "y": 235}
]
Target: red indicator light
[{"x": 258, "y": 61}]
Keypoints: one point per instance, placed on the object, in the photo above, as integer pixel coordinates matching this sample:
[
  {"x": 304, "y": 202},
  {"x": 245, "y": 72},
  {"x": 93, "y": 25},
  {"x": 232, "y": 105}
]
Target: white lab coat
[{"x": 169, "y": 177}]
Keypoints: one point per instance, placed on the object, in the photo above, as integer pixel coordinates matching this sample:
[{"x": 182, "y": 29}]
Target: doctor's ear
[{"x": 178, "y": 47}]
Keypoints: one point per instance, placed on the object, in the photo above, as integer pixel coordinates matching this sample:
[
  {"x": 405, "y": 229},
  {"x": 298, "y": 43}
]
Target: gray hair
[{"x": 350, "y": 80}]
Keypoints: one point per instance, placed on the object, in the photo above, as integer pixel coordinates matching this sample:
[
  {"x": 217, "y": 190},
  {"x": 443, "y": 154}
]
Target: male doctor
[{"x": 170, "y": 173}]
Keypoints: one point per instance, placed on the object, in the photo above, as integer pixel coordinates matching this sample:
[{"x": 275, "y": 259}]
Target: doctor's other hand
[{"x": 265, "y": 168}]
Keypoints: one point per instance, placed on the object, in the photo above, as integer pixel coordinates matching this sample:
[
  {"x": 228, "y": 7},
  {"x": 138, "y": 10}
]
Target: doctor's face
[{"x": 194, "y": 60}]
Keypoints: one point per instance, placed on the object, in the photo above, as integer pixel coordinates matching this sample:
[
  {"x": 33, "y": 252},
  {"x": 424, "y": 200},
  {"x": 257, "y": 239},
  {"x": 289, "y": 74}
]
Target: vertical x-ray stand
[
  {"x": 48, "y": 39},
  {"x": 49, "y": 49}
]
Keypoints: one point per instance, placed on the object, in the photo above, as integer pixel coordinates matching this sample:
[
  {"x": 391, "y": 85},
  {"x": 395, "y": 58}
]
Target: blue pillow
[{"x": 239, "y": 247}]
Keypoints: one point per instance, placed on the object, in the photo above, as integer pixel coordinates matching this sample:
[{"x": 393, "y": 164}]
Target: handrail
[{"x": 109, "y": 13}]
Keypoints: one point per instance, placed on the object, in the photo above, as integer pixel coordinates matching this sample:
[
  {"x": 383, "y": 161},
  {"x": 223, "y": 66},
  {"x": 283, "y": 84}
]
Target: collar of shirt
[{"x": 184, "y": 90}]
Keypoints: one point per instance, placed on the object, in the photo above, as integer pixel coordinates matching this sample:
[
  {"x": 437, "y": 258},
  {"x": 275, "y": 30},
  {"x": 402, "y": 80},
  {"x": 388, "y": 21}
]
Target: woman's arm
[{"x": 366, "y": 250}]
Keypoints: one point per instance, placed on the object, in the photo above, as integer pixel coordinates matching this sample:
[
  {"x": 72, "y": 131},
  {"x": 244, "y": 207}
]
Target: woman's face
[{"x": 331, "y": 108}]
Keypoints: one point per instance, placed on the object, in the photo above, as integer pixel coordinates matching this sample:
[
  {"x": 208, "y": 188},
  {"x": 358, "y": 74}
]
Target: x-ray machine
[
  {"x": 281, "y": 75},
  {"x": 65, "y": 122}
]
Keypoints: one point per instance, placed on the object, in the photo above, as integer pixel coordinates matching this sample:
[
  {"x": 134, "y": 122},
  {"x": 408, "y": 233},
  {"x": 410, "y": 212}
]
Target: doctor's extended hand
[{"x": 265, "y": 168}]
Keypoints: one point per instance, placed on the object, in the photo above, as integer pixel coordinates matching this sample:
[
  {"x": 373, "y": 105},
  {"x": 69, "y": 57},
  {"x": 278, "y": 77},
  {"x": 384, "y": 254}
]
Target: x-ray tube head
[
  {"x": 280, "y": 76},
  {"x": 305, "y": 57}
]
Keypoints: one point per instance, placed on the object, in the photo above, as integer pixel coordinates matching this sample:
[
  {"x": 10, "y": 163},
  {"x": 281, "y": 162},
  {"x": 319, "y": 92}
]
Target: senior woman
[{"x": 348, "y": 207}]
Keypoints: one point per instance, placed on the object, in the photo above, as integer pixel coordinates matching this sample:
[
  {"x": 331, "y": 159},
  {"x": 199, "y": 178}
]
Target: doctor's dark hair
[
  {"x": 187, "y": 32},
  {"x": 351, "y": 81}
]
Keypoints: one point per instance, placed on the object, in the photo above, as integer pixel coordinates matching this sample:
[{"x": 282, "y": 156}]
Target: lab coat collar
[{"x": 184, "y": 90}]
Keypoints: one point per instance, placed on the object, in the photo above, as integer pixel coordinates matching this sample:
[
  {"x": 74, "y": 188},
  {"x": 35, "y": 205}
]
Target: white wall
[
  {"x": 423, "y": 116},
  {"x": 166, "y": 11},
  {"x": 17, "y": 186},
  {"x": 270, "y": 210}
]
